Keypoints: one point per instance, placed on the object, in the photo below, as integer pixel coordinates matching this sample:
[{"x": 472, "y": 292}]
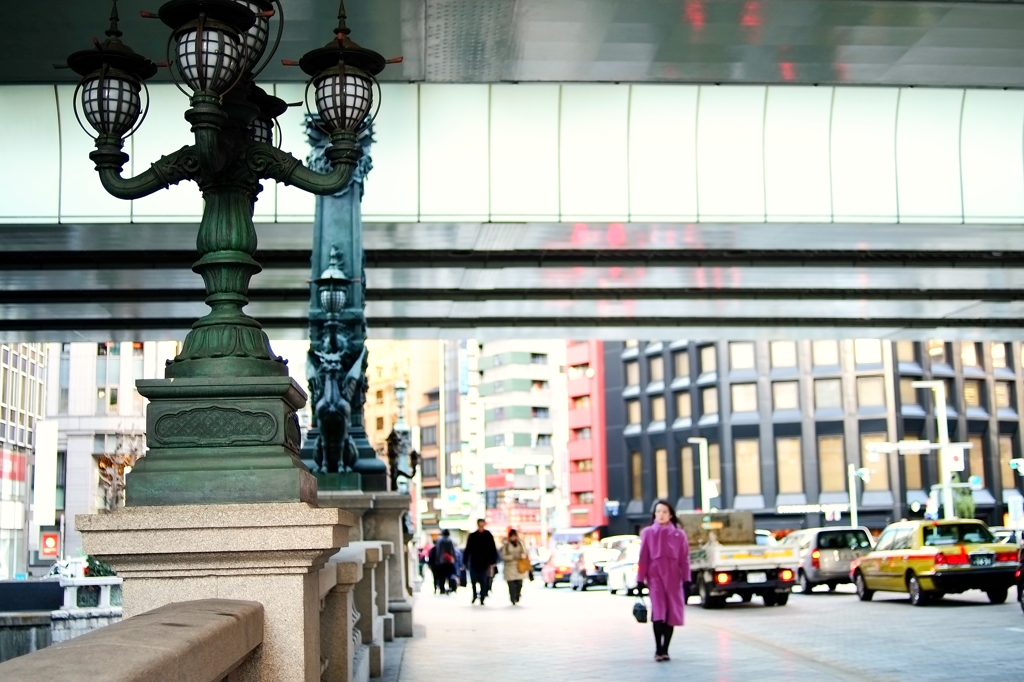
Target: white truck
[{"x": 725, "y": 559}]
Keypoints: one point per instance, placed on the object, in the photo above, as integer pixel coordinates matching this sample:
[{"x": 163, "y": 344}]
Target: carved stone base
[{"x": 221, "y": 441}]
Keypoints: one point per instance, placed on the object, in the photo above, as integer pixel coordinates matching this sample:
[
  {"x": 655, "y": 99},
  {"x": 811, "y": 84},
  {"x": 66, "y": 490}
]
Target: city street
[{"x": 562, "y": 636}]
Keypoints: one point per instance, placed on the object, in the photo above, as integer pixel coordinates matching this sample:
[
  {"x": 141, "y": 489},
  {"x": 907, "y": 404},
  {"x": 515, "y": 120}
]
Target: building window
[
  {"x": 748, "y": 467},
  {"x": 633, "y": 373},
  {"x": 428, "y": 435},
  {"x": 681, "y": 364},
  {"x": 828, "y": 394},
  {"x": 683, "y": 406},
  {"x": 632, "y": 412},
  {"x": 867, "y": 351},
  {"x": 499, "y": 440},
  {"x": 998, "y": 356},
  {"x": 499, "y": 386},
  {"x": 708, "y": 360},
  {"x": 632, "y": 343},
  {"x": 825, "y": 353},
  {"x": 972, "y": 393},
  {"x": 686, "y": 470},
  {"x": 380, "y": 423},
  {"x": 969, "y": 354},
  {"x": 658, "y": 408},
  {"x": 783, "y": 354},
  {"x": 499, "y": 413},
  {"x": 656, "y": 368},
  {"x": 909, "y": 394},
  {"x": 832, "y": 464},
  {"x": 541, "y": 413},
  {"x": 1002, "y": 394},
  {"x": 790, "y": 465},
  {"x": 744, "y": 397},
  {"x": 905, "y": 351},
  {"x": 715, "y": 464},
  {"x": 584, "y": 465},
  {"x": 430, "y": 467},
  {"x": 108, "y": 377},
  {"x": 912, "y": 466},
  {"x": 585, "y": 498},
  {"x": 581, "y": 402},
  {"x": 870, "y": 392},
  {"x": 1009, "y": 476},
  {"x": 976, "y": 457},
  {"x": 579, "y": 371},
  {"x": 543, "y": 440},
  {"x": 581, "y": 434},
  {"x": 637, "y": 468},
  {"x": 741, "y": 355},
  {"x": 661, "y": 473},
  {"x": 709, "y": 400},
  {"x": 540, "y": 385},
  {"x": 380, "y": 397},
  {"x": 937, "y": 352},
  {"x": 538, "y": 359},
  {"x": 786, "y": 395},
  {"x": 878, "y": 464}
]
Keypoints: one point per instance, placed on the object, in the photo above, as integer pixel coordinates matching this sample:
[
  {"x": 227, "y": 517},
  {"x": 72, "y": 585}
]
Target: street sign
[
  {"x": 955, "y": 457},
  {"x": 49, "y": 544}
]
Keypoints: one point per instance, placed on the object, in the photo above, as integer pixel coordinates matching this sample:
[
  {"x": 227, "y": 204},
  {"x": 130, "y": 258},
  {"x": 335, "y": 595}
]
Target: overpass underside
[{"x": 573, "y": 280}]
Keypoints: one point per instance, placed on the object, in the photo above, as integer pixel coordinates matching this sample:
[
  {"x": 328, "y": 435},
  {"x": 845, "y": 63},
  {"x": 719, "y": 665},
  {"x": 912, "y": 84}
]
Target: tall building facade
[
  {"x": 91, "y": 394},
  {"x": 524, "y": 393},
  {"x": 22, "y": 406},
  {"x": 415, "y": 363},
  {"x": 587, "y": 464},
  {"x": 784, "y": 419}
]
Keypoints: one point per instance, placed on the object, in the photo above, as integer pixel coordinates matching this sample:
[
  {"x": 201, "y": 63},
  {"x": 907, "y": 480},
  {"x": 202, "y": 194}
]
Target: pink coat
[{"x": 664, "y": 567}]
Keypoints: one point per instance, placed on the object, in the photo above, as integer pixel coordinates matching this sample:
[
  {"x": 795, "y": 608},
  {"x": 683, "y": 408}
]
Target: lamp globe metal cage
[
  {"x": 110, "y": 93},
  {"x": 264, "y": 127},
  {"x": 209, "y": 36},
  {"x": 344, "y": 77},
  {"x": 332, "y": 284}
]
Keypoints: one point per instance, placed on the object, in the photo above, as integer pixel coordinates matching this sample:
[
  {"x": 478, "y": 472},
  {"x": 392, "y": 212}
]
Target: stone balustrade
[
  {"x": 75, "y": 619},
  {"x": 342, "y": 651},
  {"x": 192, "y": 641}
]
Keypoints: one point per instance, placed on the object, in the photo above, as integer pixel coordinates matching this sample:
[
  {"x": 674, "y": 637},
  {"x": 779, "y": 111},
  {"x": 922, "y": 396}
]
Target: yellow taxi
[{"x": 928, "y": 559}]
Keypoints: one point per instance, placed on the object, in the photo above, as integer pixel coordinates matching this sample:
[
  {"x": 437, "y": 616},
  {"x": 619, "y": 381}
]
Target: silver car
[{"x": 826, "y": 553}]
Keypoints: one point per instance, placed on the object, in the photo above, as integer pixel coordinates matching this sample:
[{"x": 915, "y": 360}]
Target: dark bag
[{"x": 640, "y": 610}]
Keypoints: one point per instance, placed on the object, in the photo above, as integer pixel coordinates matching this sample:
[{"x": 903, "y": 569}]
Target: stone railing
[
  {"x": 195, "y": 641},
  {"x": 79, "y": 614}
]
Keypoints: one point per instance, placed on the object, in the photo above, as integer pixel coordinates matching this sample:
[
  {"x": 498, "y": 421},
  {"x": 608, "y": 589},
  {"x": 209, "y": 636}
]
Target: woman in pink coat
[{"x": 664, "y": 567}]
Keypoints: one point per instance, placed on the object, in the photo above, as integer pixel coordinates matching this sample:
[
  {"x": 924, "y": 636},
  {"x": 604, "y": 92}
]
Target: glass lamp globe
[
  {"x": 209, "y": 56},
  {"x": 344, "y": 97},
  {"x": 262, "y": 130},
  {"x": 332, "y": 299},
  {"x": 111, "y": 102},
  {"x": 254, "y": 42}
]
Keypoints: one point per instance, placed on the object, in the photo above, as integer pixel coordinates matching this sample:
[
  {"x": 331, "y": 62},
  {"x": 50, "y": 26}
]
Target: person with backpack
[{"x": 444, "y": 561}]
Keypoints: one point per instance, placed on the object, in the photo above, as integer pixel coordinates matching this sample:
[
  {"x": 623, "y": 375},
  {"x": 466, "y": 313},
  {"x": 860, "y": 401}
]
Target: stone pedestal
[
  {"x": 384, "y": 521},
  {"x": 269, "y": 553},
  {"x": 354, "y": 502},
  {"x": 221, "y": 441}
]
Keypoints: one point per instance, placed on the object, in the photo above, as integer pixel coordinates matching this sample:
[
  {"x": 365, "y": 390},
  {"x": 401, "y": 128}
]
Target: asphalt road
[{"x": 565, "y": 636}]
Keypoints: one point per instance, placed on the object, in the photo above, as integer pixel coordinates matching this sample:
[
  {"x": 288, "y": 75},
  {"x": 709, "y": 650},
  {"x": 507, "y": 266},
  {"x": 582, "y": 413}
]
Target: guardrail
[{"x": 195, "y": 641}]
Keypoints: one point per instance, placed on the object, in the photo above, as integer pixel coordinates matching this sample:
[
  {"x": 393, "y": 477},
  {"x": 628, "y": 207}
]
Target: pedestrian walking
[
  {"x": 444, "y": 561},
  {"x": 517, "y": 565},
  {"x": 664, "y": 566},
  {"x": 480, "y": 557}
]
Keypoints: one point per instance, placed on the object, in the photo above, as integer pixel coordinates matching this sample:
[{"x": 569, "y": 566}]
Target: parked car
[
  {"x": 1008, "y": 536},
  {"x": 622, "y": 571},
  {"x": 589, "y": 567},
  {"x": 826, "y": 553},
  {"x": 618, "y": 541},
  {"x": 928, "y": 559},
  {"x": 558, "y": 567}
]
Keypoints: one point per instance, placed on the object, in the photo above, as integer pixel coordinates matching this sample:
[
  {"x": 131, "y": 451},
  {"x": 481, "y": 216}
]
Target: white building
[{"x": 22, "y": 369}]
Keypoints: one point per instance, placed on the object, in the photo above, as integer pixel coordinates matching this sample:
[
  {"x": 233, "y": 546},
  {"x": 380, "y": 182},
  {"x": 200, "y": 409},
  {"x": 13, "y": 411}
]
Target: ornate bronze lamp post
[{"x": 222, "y": 426}]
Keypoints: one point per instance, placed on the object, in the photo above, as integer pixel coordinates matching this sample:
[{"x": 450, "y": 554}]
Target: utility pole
[
  {"x": 705, "y": 481},
  {"x": 945, "y": 470},
  {"x": 852, "y": 474}
]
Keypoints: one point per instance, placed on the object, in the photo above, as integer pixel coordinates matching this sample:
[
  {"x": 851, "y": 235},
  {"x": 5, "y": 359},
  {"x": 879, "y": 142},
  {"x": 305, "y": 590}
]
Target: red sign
[
  {"x": 49, "y": 545},
  {"x": 13, "y": 466}
]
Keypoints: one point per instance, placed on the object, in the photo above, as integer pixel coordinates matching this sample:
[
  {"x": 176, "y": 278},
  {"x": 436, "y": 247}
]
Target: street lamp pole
[
  {"x": 945, "y": 471},
  {"x": 852, "y": 474},
  {"x": 222, "y": 426},
  {"x": 705, "y": 482}
]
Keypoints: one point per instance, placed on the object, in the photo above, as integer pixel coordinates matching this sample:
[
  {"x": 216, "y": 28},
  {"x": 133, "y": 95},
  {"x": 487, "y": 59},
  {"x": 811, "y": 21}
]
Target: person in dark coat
[
  {"x": 444, "y": 561},
  {"x": 480, "y": 555},
  {"x": 664, "y": 567}
]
